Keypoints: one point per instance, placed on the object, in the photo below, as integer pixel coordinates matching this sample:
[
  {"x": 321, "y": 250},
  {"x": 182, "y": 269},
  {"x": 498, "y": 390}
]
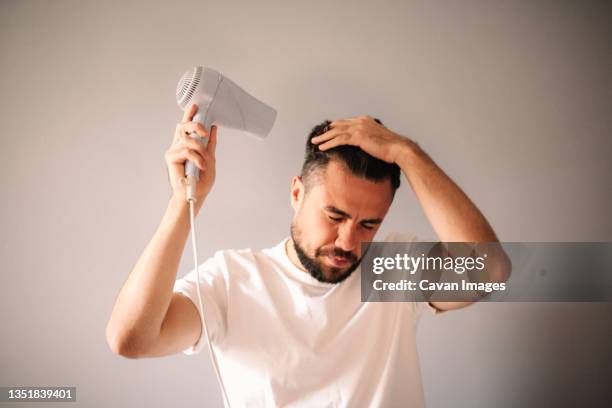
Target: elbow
[
  {"x": 124, "y": 344},
  {"x": 119, "y": 344},
  {"x": 502, "y": 267}
]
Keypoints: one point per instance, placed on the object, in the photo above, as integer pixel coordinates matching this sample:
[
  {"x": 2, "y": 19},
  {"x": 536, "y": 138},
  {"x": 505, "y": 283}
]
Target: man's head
[{"x": 340, "y": 200}]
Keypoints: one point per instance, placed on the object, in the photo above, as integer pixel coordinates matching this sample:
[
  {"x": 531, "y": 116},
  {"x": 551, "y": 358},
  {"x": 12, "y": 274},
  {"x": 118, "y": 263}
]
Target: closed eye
[{"x": 338, "y": 219}]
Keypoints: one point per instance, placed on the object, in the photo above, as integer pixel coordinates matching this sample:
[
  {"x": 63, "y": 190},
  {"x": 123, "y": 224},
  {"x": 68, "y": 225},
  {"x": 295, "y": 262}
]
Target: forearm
[
  {"x": 145, "y": 297},
  {"x": 451, "y": 213}
]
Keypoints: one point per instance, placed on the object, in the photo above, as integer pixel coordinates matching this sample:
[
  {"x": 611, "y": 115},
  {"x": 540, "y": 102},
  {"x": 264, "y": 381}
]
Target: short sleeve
[
  {"x": 213, "y": 292},
  {"x": 429, "y": 307}
]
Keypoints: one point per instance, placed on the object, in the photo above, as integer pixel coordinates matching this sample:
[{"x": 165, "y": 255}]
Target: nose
[{"x": 347, "y": 239}]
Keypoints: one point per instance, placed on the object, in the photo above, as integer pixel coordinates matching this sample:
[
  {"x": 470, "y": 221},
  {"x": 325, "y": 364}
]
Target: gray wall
[{"x": 511, "y": 98}]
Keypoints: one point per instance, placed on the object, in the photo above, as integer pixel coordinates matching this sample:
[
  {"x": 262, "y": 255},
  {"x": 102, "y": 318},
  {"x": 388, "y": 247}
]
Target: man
[{"x": 287, "y": 323}]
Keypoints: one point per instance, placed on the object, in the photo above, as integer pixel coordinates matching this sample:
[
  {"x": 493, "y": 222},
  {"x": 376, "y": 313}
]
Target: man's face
[{"x": 332, "y": 220}]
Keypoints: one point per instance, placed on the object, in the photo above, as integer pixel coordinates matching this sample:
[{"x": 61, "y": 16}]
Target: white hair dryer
[{"x": 221, "y": 103}]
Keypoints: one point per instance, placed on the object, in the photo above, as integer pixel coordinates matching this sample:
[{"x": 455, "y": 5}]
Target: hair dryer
[{"x": 222, "y": 103}]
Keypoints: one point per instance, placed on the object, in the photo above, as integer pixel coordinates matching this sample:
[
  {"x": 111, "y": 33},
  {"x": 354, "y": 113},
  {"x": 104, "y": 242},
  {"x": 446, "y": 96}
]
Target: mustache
[{"x": 337, "y": 252}]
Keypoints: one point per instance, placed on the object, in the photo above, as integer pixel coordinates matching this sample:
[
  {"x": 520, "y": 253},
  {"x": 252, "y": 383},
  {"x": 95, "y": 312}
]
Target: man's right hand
[{"x": 184, "y": 148}]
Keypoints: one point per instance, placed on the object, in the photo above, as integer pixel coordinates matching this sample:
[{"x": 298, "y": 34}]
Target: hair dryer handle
[{"x": 190, "y": 168}]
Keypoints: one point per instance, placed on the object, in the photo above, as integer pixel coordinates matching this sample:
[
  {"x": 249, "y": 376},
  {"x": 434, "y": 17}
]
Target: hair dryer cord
[{"x": 191, "y": 182}]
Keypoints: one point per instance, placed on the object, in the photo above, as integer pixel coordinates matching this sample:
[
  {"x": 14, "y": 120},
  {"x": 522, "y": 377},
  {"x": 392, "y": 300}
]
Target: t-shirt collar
[{"x": 298, "y": 273}]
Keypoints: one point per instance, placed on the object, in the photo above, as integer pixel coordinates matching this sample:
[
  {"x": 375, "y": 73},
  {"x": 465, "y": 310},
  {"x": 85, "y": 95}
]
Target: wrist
[
  {"x": 179, "y": 203},
  {"x": 407, "y": 152}
]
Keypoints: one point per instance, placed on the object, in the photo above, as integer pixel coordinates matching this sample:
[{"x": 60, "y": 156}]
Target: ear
[{"x": 297, "y": 193}]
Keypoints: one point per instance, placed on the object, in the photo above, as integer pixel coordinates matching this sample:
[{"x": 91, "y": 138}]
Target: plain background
[{"x": 511, "y": 98}]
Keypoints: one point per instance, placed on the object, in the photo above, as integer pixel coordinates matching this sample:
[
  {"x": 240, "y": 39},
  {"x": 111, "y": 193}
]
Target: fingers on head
[{"x": 340, "y": 123}]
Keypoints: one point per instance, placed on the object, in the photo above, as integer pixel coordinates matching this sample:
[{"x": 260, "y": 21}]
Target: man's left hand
[{"x": 366, "y": 133}]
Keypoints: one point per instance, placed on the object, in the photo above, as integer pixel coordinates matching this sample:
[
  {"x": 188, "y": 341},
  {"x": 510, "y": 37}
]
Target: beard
[{"x": 316, "y": 267}]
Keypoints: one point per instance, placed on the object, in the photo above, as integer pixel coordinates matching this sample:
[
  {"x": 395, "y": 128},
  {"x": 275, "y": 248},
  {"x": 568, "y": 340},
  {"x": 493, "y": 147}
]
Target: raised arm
[
  {"x": 148, "y": 319},
  {"x": 453, "y": 216}
]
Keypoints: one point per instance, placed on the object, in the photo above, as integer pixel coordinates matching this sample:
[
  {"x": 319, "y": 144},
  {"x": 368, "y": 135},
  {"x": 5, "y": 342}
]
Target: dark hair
[{"x": 359, "y": 162}]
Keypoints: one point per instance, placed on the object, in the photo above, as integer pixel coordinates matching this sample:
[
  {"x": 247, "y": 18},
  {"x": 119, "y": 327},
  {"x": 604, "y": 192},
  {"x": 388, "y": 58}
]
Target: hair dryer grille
[{"x": 187, "y": 86}]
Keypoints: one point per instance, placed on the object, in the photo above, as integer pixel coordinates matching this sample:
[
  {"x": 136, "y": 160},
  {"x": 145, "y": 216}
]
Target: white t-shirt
[{"x": 282, "y": 338}]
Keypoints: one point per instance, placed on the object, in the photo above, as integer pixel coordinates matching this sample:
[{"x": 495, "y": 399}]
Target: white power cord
[{"x": 191, "y": 187}]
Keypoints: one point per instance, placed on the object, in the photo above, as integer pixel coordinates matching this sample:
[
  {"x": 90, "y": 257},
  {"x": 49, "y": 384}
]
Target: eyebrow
[{"x": 338, "y": 211}]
